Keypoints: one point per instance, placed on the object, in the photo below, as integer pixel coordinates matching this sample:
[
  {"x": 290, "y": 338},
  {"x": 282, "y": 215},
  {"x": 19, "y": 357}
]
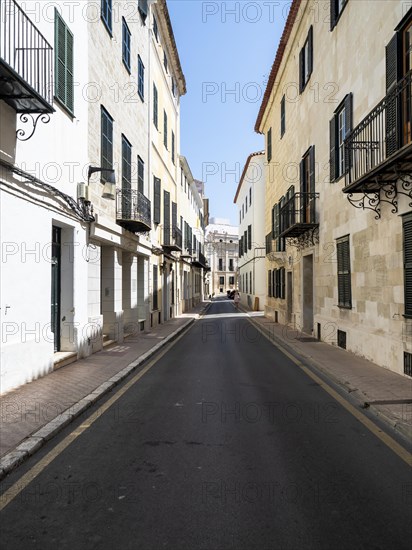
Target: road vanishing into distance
[{"x": 222, "y": 442}]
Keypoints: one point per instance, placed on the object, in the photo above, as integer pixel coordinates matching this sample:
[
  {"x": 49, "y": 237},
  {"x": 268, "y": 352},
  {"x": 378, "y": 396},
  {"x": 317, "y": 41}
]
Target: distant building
[
  {"x": 250, "y": 200},
  {"x": 222, "y": 247}
]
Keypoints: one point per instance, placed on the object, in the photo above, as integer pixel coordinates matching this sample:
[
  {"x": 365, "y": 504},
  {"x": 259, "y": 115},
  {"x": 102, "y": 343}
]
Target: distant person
[{"x": 236, "y": 299}]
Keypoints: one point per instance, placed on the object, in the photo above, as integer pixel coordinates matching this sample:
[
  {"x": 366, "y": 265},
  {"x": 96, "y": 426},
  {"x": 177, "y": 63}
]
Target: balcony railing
[
  {"x": 298, "y": 215},
  {"x": 133, "y": 211},
  {"x": 200, "y": 261},
  {"x": 382, "y": 139},
  {"x": 172, "y": 238},
  {"x": 26, "y": 62}
]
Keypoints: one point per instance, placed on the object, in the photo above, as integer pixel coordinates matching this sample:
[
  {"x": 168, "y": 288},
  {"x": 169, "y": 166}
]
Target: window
[
  {"x": 344, "y": 275},
  {"x": 107, "y": 14},
  {"x": 231, "y": 264},
  {"x": 106, "y": 151},
  {"x": 140, "y": 175},
  {"x": 407, "y": 363},
  {"x": 269, "y": 145},
  {"x": 243, "y": 211},
  {"x": 165, "y": 129},
  {"x": 173, "y": 147},
  {"x": 407, "y": 258},
  {"x": 340, "y": 128},
  {"x": 240, "y": 216},
  {"x": 143, "y": 9},
  {"x": 155, "y": 29},
  {"x": 250, "y": 197},
  {"x": 155, "y": 106},
  {"x": 231, "y": 281},
  {"x": 270, "y": 284},
  {"x": 306, "y": 212},
  {"x": 63, "y": 60},
  {"x": 336, "y": 8},
  {"x": 173, "y": 87},
  {"x": 221, "y": 281},
  {"x": 306, "y": 61},
  {"x": 126, "y": 164},
  {"x": 155, "y": 288},
  {"x": 165, "y": 62},
  {"x": 246, "y": 204},
  {"x": 279, "y": 245},
  {"x": 249, "y": 237},
  {"x": 245, "y": 241},
  {"x": 126, "y": 39},
  {"x": 282, "y": 117},
  {"x": 140, "y": 78},
  {"x": 156, "y": 200},
  {"x": 220, "y": 264}
]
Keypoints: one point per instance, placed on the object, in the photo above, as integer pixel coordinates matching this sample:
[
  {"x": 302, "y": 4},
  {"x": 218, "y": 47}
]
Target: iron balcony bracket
[
  {"x": 309, "y": 238},
  {"x": 33, "y": 119}
]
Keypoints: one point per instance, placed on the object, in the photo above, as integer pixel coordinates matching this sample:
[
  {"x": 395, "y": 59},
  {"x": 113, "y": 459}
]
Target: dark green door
[{"x": 55, "y": 286}]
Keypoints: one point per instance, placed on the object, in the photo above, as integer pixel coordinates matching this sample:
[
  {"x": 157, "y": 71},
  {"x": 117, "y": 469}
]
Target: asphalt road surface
[{"x": 225, "y": 443}]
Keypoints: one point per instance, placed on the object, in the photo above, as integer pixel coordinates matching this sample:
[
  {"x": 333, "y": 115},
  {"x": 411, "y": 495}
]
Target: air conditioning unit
[{"x": 83, "y": 191}]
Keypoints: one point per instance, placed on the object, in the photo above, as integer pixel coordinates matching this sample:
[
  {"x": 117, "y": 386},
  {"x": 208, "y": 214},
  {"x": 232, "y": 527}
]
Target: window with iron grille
[
  {"x": 126, "y": 40},
  {"x": 63, "y": 63},
  {"x": 342, "y": 339},
  {"x": 106, "y": 152},
  {"x": 282, "y": 116},
  {"x": 340, "y": 127},
  {"x": 140, "y": 78},
  {"x": 336, "y": 9},
  {"x": 140, "y": 175},
  {"x": 407, "y": 259},
  {"x": 306, "y": 61},
  {"x": 344, "y": 273},
  {"x": 407, "y": 363},
  {"x": 106, "y": 14}
]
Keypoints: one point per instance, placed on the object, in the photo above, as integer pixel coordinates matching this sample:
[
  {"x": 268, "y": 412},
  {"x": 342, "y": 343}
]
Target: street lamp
[{"x": 110, "y": 183}]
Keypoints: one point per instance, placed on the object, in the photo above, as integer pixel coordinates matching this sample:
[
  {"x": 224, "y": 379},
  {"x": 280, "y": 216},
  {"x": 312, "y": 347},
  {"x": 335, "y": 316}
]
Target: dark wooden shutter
[
  {"x": 140, "y": 175},
  {"x": 64, "y": 86},
  {"x": 270, "y": 283},
  {"x": 301, "y": 70},
  {"x": 166, "y": 217},
  {"x": 245, "y": 244},
  {"x": 165, "y": 128},
  {"x": 143, "y": 9},
  {"x": 407, "y": 254},
  {"x": 333, "y": 14},
  {"x": 282, "y": 283},
  {"x": 344, "y": 273},
  {"x": 174, "y": 215},
  {"x": 69, "y": 71},
  {"x": 393, "y": 112},
  {"x": 333, "y": 161},
  {"x": 310, "y": 47},
  {"x": 269, "y": 144},
  {"x": 155, "y": 106},
  {"x": 156, "y": 197},
  {"x": 249, "y": 237},
  {"x": 273, "y": 223},
  {"x": 348, "y": 128},
  {"x": 312, "y": 170}
]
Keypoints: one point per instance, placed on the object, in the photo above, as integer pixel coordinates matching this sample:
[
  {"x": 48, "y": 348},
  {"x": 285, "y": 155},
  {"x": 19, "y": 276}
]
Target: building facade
[
  {"x": 336, "y": 118},
  {"x": 89, "y": 168},
  {"x": 250, "y": 200},
  {"x": 222, "y": 249}
]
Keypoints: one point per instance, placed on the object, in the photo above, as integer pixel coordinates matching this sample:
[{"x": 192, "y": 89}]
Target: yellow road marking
[
  {"x": 385, "y": 438},
  {"x": 38, "y": 468}
]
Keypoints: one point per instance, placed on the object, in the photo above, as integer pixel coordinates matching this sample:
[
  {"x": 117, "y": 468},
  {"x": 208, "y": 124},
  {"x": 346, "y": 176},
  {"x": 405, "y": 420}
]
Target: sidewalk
[
  {"x": 35, "y": 412},
  {"x": 387, "y": 394}
]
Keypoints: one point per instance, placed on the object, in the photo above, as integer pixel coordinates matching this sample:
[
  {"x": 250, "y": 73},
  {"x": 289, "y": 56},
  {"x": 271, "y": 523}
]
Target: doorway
[
  {"x": 56, "y": 286},
  {"x": 289, "y": 298},
  {"x": 307, "y": 294}
]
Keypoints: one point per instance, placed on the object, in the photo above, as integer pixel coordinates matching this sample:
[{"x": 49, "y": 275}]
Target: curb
[
  {"x": 402, "y": 428},
  {"x": 35, "y": 441}
]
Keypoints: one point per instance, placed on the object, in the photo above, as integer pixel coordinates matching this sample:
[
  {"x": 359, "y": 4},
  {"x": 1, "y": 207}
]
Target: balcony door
[
  {"x": 407, "y": 95},
  {"x": 56, "y": 286},
  {"x": 306, "y": 207}
]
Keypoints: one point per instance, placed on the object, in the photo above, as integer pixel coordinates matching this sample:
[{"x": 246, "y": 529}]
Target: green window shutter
[
  {"x": 393, "y": 109},
  {"x": 269, "y": 145},
  {"x": 344, "y": 273},
  {"x": 270, "y": 284},
  {"x": 140, "y": 175},
  {"x": 407, "y": 254},
  {"x": 333, "y": 149},
  {"x": 156, "y": 197},
  {"x": 64, "y": 64},
  {"x": 249, "y": 237},
  {"x": 166, "y": 217},
  {"x": 174, "y": 215},
  {"x": 155, "y": 106},
  {"x": 165, "y": 129},
  {"x": 348, "y": 127}
]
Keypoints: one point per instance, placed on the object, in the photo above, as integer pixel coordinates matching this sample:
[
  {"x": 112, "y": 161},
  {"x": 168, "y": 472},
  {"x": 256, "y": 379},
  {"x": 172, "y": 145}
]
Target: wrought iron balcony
[
  {"x": 133, "y": 210},
  {"x": 26, "y": 60},
  {"x": 200, "y": 261},
  {"x": 172, "y": 239},
  {"x": 298, "y": 215},
  {"x": 380, "y": 147}
]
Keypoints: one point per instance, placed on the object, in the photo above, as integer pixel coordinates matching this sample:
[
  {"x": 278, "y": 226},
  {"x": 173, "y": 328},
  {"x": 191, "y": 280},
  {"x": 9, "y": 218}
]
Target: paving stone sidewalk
[
  {"x": 386, "y": 393},
  {"x": 33, "y": 413}
]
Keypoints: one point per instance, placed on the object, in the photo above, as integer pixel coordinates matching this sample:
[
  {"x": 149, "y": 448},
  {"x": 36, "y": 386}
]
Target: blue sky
[{"x": 227, "y": 50}]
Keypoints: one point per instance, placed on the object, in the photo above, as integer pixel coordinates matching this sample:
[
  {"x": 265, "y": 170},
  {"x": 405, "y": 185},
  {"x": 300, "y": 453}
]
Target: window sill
[
  {"x": 344, "y": 307},
  {"x": 106, "y": 26},
  {"x": 64, "y": 107},
  {"x": 127, "y": 67}
]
